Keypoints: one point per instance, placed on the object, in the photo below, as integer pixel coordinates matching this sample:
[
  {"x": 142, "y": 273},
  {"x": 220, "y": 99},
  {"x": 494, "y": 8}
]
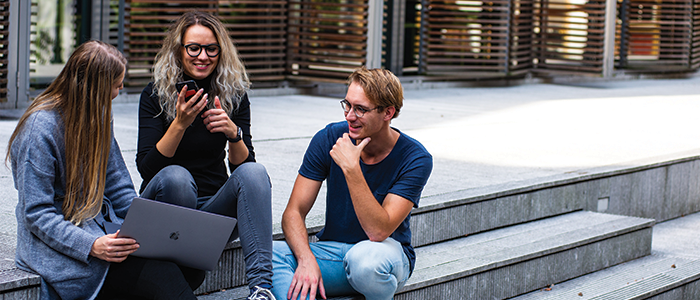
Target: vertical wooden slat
[
  {"x": 258, "y": 29},
  {"x": 114, "y": 23},
  {"x": 467, "y": 38},
  {"x": 570, "y": 36},
  {"x": 522, "y": 27},
  {"x": 327, "y": 40},
  {"x": 146, "y": 23},
  {"x": 695, "y": 36},
  {"x": 659, "y": 35}
]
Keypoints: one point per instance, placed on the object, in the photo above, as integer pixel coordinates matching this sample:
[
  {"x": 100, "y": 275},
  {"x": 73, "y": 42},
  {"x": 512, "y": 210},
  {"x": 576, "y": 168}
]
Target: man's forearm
[{"x": 297, "y": 237}]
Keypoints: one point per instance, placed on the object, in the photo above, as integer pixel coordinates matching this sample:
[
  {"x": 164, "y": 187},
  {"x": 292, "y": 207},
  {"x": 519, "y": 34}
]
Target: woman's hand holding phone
[
  {"x": 192, "y": 88},
  {"x": 187, "y": 111}
]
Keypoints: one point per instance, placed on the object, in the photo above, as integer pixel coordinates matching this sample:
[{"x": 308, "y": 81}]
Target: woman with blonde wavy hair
[
  {"x": 71, "y": 181},
  {"x": 188, "y": 135}
]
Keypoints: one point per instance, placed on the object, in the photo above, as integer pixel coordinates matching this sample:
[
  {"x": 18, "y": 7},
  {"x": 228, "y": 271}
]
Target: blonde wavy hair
[
  {"x": 82, "y": 95},
  {"x": 229, "y": 81}
]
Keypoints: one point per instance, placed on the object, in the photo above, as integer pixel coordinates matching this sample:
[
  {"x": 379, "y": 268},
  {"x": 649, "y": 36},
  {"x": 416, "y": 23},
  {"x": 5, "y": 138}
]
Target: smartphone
[{"x": 192, "y": 88}]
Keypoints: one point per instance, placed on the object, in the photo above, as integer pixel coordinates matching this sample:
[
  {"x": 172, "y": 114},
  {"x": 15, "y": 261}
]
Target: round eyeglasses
[
  {"x": 195, "y": 49},
  {"x": 360, "y": 111}
]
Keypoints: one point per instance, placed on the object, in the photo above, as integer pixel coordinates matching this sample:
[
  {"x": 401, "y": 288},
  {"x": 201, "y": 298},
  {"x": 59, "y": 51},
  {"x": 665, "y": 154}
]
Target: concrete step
[
  {"x": 15, "y": 283},
  {"x": 644, "y": 191},
  {"x": 653, "y": 277},
  {"x": 448, "y": 216},
  {"x": 430, "y": 224},
  {"x": 511, "y": 261},
  {"x": 434, "y": 223},
  {"x": 507, "y": 262},
  {"x": 671, "y": 272},
  {"x": 18, "y": 284}
]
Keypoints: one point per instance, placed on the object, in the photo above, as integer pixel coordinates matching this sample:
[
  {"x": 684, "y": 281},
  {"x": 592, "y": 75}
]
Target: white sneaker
[{"x": 261, "y": 294}]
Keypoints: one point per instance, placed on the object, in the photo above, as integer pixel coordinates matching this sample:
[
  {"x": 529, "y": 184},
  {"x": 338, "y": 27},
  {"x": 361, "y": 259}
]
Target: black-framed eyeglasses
[
  {"x": 195, "y": 49},
  {"x": 360, "y": 111}
]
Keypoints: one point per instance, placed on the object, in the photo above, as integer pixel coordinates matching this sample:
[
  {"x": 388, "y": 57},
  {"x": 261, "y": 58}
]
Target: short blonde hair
[{"x": 381, "y": 87}]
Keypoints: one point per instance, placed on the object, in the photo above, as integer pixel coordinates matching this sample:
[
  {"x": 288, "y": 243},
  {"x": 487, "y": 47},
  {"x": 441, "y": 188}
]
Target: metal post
[
  {"x": 85, "y": 21},
  {"x": 609, "y": 39},
  {"x": 374, "y": 34},
  {"x": 100, "y": 20},
  {"x": 395, "y": 35},
  {"x": 18, "y": 55}
]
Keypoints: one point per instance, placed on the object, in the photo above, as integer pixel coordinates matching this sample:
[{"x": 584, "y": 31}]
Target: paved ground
[{"x": 482, "y": 139}]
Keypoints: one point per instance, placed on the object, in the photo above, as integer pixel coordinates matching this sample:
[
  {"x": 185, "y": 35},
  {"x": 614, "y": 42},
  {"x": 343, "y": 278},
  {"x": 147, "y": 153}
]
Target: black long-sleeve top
[{"x": 201, "y": 152}]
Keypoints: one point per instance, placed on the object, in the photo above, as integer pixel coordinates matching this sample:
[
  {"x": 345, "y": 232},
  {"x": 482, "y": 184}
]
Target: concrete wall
[{"x": 660, "y": 191}]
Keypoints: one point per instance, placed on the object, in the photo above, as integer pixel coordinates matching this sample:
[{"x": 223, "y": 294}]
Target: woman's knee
[
  {"x": 175, "y": 175},
  {"x": 173, "y": 184},
  {"x": 252, "y": 172}
]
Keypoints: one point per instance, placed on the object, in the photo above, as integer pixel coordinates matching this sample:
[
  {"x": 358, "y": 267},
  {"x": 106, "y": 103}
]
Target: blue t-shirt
[{"x": 403, "y": 172}]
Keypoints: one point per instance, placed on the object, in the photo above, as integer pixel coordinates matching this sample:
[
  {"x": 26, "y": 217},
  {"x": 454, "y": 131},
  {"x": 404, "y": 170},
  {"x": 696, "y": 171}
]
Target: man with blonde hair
[{"x": 375, "y": 175}]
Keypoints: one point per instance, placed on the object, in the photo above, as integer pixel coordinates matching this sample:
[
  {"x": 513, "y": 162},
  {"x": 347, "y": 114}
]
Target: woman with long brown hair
[{"x": 72, "y": 180}]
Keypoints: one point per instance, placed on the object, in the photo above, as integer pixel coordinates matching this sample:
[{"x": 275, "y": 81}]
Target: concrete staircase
[
  {"x": 531, "y": 241},
  {"x": 546, "y": 240},
  {"x": 510, "y": 261},
  {"x": 653, "y": 277}
]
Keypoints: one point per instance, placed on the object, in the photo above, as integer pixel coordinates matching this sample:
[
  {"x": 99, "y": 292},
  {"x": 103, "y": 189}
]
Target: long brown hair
[
  {"x": 82, "y": 95},
  {"x": 229, "y": 79}
]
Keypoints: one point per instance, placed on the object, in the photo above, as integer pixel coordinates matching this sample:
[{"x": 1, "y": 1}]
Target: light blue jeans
[
  {"x": 374, "y": 269},
  {"x": 246, "y": 196}
]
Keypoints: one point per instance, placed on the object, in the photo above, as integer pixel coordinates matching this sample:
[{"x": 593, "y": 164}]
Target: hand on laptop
[{"x": 112, "y": 248}]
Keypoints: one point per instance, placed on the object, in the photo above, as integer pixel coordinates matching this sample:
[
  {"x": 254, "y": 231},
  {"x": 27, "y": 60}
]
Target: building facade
[{"x": 290, "y": 42}]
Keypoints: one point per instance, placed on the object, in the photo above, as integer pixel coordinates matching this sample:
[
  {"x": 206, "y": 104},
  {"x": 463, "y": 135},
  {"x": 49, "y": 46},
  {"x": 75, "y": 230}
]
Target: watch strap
[{"x": 238, "y": 137}]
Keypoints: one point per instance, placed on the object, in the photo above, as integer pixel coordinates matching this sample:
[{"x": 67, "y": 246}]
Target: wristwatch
[{"x": 238, "y": 137}]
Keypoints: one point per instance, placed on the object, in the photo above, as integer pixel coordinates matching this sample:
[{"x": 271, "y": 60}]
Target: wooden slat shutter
[
  {"x": 658, "y": 35},
  {"x": 466, "y": 38},
  {"x": 522, "y": 36},
  {"x": 113, "y": 22},
  {"x": 4, "y": 47},
  {"x": 327, "y": 40},
  {"x": 258, "y": 29},
  {"x": 146, "y": 23},
  {"x": 570, "y": 36}
]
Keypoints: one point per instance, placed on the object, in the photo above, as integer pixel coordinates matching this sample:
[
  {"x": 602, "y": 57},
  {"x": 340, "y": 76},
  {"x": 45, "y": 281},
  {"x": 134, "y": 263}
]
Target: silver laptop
[{"x": 186, "y": 236}]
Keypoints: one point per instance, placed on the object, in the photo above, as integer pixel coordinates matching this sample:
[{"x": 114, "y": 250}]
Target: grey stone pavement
[{"x": 483, "y": 139}]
